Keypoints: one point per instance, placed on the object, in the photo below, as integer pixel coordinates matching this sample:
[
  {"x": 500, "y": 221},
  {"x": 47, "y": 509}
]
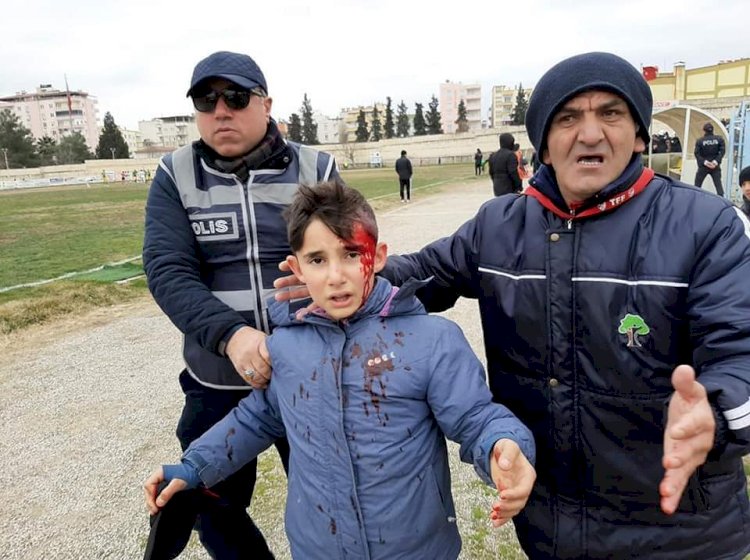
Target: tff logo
[{"x": 214, "y": 227}]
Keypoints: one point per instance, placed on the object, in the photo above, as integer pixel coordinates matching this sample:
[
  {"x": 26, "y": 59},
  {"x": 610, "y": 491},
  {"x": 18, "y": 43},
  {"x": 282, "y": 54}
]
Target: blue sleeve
[
  {"x": 172, "y": 263},
  {"x": 238, "y": 438},
  {"x": 718, "y": 304},
  {"x": 462, "y": 403}
]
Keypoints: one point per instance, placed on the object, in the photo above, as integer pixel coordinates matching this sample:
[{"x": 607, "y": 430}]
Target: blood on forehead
[{"x": 366, "y": 244}]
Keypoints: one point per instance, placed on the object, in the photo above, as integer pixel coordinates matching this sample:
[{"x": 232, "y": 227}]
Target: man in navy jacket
[{"x": 616, "y": 321}]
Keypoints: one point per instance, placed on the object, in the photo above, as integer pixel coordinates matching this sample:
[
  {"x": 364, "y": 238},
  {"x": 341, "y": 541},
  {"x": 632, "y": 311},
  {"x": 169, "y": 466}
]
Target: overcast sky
[{"x": 136, "y": 56}]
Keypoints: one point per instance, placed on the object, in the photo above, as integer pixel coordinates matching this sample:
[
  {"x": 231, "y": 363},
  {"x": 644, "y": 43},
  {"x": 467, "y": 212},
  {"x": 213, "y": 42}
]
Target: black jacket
[
  {"x": 403, "y": 168},
  {"x": 709, "y": 148},
  {"x": 504, "y": 172},
  {"x": 584, "y": 320}
]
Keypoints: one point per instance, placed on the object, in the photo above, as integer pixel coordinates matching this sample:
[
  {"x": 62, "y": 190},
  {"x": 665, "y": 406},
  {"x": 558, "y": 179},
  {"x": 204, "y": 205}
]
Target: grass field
[{"x": 50, "y": 232}]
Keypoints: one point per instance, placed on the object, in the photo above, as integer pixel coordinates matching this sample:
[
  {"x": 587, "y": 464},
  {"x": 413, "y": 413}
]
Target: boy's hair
[
  {"x": 339, "y": 207},
  {"x": 745, "y": 175}
]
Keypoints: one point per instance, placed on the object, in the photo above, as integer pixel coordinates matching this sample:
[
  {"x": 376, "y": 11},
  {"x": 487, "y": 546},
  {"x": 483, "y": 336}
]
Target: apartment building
[
  {"x": 503, "y": 102},
  {"x": 450, "y": 96},
  {"x": 349, "y": 116},
  {"x": 55, "y": 113},
  {"x": 329, "y": 128},
  {"x": 169, "y": 132}
]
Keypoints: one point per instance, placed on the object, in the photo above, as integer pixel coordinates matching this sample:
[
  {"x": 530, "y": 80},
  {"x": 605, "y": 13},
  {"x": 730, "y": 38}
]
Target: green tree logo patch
[{"x": 633, "y": 325}]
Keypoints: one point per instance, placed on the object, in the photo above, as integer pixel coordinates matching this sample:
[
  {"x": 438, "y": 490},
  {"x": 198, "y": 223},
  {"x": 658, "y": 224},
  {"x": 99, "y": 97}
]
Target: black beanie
[
  {"x": 585, "y": 72},
  {"x": 745, "y": 175}
]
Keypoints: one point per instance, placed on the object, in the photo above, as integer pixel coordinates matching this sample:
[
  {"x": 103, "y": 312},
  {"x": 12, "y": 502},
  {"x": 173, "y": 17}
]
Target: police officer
[
  {"x": 213, "y": 237},
  {"x": 709, "y": 150}
]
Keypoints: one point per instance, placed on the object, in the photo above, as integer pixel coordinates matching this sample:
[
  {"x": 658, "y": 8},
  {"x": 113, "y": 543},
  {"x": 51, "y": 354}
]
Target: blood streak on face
[{"x": 366, "y": 244}]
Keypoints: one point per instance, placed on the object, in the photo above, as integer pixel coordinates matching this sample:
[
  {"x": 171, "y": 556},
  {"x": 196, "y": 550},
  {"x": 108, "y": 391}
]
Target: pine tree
[
  {"x": 462, "y": 121},
  {"x": 518, "y": 115},
  {"x": 294, "y": 132},
  {"x": 16, "y": 142},
  {"x": 402, "y": 121},
  {"x": 73, "y": 149},
  {"x": 420, "y": 128},
  {"x": 375, "y": 126},
  {"x": 309, "y": 127},
  {"x": 433, "y": 118},
  {"x": 111, "y": 137},
  {"x": 388, "y": 128},
  {"x": 362, "y": 133}
]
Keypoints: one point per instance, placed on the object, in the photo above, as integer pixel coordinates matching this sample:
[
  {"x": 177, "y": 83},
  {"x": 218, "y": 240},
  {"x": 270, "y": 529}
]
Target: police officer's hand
[
  {"x": 514, "y": 478},
  {"x": 688, "y": 438},
  {"x": 249, "y": 355},
  {"x": 289, "y": 287}
]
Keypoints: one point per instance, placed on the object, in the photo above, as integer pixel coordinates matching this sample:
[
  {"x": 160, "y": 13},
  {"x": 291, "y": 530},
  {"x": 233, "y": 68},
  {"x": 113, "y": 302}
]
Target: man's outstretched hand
[
  {"x": 688, "y": 438},
  {"x": 514, "y": 477}
]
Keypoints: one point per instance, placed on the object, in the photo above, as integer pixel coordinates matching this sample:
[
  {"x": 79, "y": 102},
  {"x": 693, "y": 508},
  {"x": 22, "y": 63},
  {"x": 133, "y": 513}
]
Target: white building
[
  {"x": 169, "y": 132},
  {"x": 503, "y": 102},
  {"x": 451, "y": 95},
  {"x": 55, "y": 113},
  {"x": 329, "y": 128}
]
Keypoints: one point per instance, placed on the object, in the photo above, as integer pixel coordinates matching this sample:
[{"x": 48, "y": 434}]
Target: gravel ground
[{"x": 88, "y": 409}]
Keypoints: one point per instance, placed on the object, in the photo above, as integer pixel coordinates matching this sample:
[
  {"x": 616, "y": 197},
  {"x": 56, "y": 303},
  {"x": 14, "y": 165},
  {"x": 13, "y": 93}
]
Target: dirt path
[{"x": 88, "y": 407}]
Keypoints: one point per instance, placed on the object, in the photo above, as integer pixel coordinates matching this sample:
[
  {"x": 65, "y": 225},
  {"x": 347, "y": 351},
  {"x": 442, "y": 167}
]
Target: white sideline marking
[{"x": 67, "y": 275}]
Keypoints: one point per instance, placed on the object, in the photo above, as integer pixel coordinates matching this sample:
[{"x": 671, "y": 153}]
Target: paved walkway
[{"x": 88, "y": 408}]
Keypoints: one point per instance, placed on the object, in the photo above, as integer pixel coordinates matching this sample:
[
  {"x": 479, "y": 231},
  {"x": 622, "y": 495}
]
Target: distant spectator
[
  {"x": 504, "y": 167},
  {"x": 478, "y": 162},
  {"x": 403, "y": 168},
  {"x": 523, "y": 171},
  {"x": 709, "y": 149}
]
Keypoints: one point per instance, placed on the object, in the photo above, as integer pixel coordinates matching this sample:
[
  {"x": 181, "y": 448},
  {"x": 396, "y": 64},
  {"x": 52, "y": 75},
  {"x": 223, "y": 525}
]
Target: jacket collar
[
  {"x": 545, "y": 182},
  {"x": 272, "y": 152},
  {"x": 385, "y": 300}
]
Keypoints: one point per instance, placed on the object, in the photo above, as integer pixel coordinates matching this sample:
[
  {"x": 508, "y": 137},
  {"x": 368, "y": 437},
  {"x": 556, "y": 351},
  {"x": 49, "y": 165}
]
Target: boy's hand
[
  {"x": 289, "y": 287},
  {"x": 155, "y": 502},
  {"x": 513, "y": 476}
]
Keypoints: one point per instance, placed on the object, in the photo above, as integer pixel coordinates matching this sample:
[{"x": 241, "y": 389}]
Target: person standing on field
[
  {"x": 403, "y": 168},
  {"x": 504, "y": 168}
]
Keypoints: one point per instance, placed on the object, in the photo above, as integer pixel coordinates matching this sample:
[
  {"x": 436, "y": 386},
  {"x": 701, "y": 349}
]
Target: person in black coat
[
  {"x": 403, "y": 168},
  {"x": 709, "y": 149},
  {"x": 504, "y": 167}
]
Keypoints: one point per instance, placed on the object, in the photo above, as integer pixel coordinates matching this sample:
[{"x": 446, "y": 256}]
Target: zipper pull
[{"x": 570, "y": 220}]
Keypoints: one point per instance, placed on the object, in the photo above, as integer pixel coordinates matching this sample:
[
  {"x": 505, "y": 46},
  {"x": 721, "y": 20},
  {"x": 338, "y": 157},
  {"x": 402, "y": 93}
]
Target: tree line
[
  {"x": 303, "y": 128},
  {"x": 19, "y": 149}
]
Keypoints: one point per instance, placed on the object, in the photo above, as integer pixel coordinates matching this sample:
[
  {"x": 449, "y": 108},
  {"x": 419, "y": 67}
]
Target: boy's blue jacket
[{"x": 365, "y": 403}]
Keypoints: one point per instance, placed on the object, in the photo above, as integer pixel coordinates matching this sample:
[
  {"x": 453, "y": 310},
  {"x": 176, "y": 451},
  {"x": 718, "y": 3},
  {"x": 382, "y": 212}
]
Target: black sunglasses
[{"x": 235, "y": 99}]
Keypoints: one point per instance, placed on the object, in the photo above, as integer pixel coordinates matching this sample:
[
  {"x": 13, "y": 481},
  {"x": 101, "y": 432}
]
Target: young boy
[
  {"x": 364, "y": 386},
  {"x": 745, "y": 186}
]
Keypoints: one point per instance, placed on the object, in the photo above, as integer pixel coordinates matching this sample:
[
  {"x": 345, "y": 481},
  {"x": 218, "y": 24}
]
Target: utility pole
[
  {"x": 5, "y": 154},
  {"x": 113, "y": 152}
]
